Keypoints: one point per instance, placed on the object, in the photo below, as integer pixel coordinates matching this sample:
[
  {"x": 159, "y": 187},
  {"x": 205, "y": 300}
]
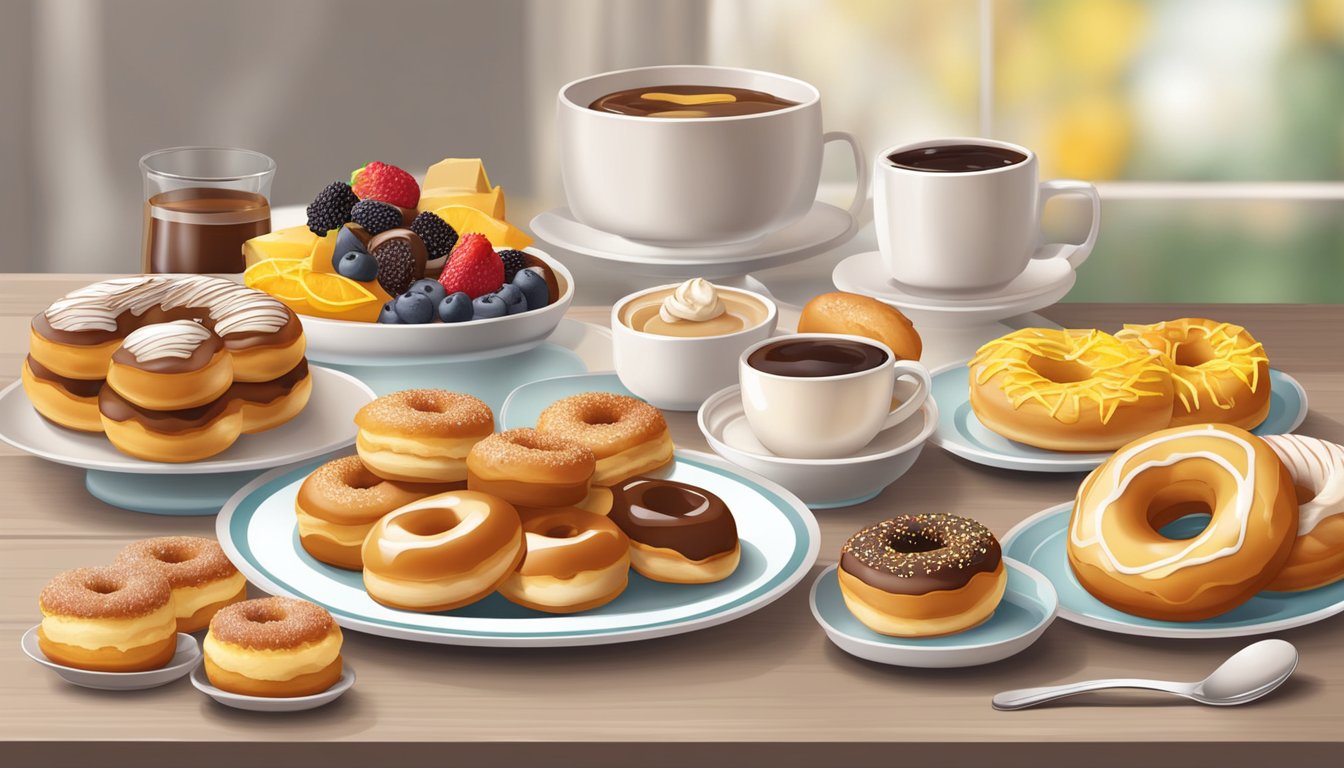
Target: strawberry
[
  {"x": 388, "y": 183},
  {"x": 473, "y": 267}
]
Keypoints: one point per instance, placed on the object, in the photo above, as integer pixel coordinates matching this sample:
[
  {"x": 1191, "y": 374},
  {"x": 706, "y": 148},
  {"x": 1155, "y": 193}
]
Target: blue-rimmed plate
[
  {"x": 1040, "y": 541},
  {"x": 779, "y": 545},
  {"x": 961, "y": 433},
  {"x": 1027, "y": 608},
  {"x": 526, "y": 403}
]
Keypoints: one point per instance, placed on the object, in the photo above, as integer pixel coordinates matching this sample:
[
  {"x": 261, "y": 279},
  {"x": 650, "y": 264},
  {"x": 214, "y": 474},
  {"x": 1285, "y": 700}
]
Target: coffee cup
[
  {"x": 700, "y": 180},
  {"x": 964, "y": 214},
  {"x": 826, "y": 395}
]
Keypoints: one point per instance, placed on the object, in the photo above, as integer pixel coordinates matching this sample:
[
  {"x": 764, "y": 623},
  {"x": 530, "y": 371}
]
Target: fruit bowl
[{"x": 346, "y": 342}]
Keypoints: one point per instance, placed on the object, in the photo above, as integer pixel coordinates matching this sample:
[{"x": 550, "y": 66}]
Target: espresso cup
[
  {"x": 969, "y": 230},
  {"x": 829, "y": 416},
  {"x": 695, "y": 180}
]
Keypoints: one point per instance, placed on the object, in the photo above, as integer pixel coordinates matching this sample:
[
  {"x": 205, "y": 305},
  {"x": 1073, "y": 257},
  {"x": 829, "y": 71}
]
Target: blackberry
[
  {"x": 439, "y": 236},
  {"x": 375, "y": 216},
  {"x": 515, "y": 261},
  {"x": 331, "y": 208},
  {"x": 396, "y": 266}
]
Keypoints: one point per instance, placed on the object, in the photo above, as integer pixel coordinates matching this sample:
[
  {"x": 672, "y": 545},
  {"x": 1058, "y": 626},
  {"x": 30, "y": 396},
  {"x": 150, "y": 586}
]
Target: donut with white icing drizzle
[{"x": 1317, "y": 470}]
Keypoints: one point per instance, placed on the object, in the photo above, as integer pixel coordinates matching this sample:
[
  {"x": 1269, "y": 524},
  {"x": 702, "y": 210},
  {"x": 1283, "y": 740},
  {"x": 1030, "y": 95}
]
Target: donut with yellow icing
[
  {"x": 277, "y": 647},
  {"x": 1317, "y": 470}
]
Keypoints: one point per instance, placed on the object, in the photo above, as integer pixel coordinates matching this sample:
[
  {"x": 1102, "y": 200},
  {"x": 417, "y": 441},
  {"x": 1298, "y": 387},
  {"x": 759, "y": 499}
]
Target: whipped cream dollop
[{"x": 694, "y": 301}]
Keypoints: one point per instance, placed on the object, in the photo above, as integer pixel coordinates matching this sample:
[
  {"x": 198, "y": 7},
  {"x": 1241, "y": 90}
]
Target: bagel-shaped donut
[
  {"x": 1115, "y": 545},
  {"x": 421, "y": 435},
  {"x": 116, "y": 618},
  {"x": 443, "y": 551},
  {"x": 528, "y": 468},
  {"x": 1069, "y": 390},
  {"x": 922, "y": 575},
  {"x": 575, "y": 561},
  {"x": 200, "y": 574},
  {"x": 627, "y": 436},
  {"x": 1317, "y": 471},
  {"x": 1220, "y": 371},
  {"x": 856, "y": 315},
  {"x": 678, "y": 533},
  {"x": 276, "y": 647}
]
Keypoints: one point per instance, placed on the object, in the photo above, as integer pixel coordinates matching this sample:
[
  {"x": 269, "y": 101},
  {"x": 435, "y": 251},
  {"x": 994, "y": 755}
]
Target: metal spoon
[{"x": 1247, "y": 675}]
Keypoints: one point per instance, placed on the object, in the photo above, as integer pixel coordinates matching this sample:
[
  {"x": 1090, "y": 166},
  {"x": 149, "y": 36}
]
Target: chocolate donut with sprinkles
[{"x": 922, "y": 575}]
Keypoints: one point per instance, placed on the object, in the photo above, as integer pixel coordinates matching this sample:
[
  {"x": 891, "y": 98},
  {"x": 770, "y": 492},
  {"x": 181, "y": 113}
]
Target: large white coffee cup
[
  {"x": 969, "y": 231},
  {"x": 825, "y": 417},
  {"x": 694, "y": 180}
]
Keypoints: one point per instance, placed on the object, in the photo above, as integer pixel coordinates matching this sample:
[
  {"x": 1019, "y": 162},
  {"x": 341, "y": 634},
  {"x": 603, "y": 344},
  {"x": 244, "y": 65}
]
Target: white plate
[
  {"x": 270, "y": 703},
  {"x": 188, "y": 655},
  {"x": 1028, "y": 607},
  {"x": 867, "y": 274},
  {"x": 820, "y": 483},
  {"x": 354, "y": 343}
]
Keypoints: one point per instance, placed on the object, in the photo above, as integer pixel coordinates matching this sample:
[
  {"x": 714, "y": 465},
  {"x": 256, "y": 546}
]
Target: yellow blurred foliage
[{"x": 1088, "y": 139}]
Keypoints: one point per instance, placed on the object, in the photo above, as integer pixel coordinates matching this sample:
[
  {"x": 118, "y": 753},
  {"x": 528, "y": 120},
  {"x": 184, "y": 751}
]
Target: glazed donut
[
  {"x": 855, "y": 315},
  {"x": 575, "y": 561},
  {"x": 678, "y": 533},
  {"x": 627, "y": 435},
  {"x": 276, "y": 647},
  {"x": 341, "y": 500},
  {"x": 1317, "y": 471},
  {"x": 421, "y": 435},
  {"x": 201, "y": 576},
  {"x": 531, "y": 469},
  {"x": 110, "y": 619},
  {"x": 1119, "y": 555},
  {"x": 443, "y": 551},
  {"x": 1069, "y": 390},
  {"x": 922, "y": 575},
  {"x": 1220, "y": 371}
]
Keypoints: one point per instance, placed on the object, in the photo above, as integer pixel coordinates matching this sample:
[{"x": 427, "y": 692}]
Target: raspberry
[
  {"x": 439, "y": 235},
  {"x": 473, "y": 267},
  {"x": 375, "y": 216},
  {"x": 331, "y": 208},
  {"x": 388, "y": 183}
]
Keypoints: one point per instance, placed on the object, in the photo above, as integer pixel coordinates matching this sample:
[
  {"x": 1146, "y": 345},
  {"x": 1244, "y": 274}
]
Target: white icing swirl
[
  {"x": 694, "y": 301},
  {"x": 1317, "y": 466},
  {"x": 232, "y": 308},
  {"x": 179, "y": 339}
]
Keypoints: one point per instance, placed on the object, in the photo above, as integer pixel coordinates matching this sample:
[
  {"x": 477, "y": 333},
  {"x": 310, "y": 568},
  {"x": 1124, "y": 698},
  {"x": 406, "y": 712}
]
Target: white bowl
[
  {"x": 272, "y": 703},
  {"x": 820, "y": 483},
  {"x": 187, "y": 655},
  {"x": 347, "y": 342}
]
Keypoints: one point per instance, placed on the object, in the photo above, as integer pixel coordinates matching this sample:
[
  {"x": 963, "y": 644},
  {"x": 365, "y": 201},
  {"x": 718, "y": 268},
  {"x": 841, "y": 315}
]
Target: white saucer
[
  {"x": 188, "y": 655},
  {"x": 823, "y": 227},
  {"x": 1044, "y": 282},
  {"x": 272, "y": 704},
  {"x": 820, "y": 483}
]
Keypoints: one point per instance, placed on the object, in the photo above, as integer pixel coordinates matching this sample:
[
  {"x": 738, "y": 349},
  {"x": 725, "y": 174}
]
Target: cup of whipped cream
[{"x": 675, "y": 345}]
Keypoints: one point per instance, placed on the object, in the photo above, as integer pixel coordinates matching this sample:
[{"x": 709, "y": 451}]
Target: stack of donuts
[
  {"x": 172, "y": 369},
  {"x": 438, "y": 511}
]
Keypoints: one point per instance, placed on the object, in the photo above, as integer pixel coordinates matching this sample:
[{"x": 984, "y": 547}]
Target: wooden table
[{"x": 767, "y": 689}]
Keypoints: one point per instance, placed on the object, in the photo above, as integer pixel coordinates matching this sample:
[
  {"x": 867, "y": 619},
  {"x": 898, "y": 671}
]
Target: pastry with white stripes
[{"x": 1317, "y": 470}]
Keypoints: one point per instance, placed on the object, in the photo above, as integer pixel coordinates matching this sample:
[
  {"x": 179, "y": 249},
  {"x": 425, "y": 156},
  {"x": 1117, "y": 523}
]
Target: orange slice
[
  {"x": 281, "y": 278},
  {"x": 500, "y": 233},
  {"x": 340, "y": 298}
]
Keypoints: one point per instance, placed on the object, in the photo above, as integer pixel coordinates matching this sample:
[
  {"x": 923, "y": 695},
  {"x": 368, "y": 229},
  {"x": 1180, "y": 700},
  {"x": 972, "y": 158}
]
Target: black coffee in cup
[
  {"x": 956, "y": 158},
  {"x": 816, "y": 358}
]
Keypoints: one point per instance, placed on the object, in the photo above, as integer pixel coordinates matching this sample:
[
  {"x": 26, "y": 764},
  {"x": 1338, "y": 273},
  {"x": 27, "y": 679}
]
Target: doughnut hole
[
  {"x": 601, "y": 416},
  {"x": 174, "y": 556},
  {"x": 102, "y": 586},
  {"x": 424, "y": 404},
  {"x": 264, "y": 613},
  {"x": 907, "y": 543},
  {"x": 1181, "y": 510},
  {"x": 431, "y": 521},
  {"x": 1059, "y": 371},
  {"x": 561, "y": 532},
  {"x": 1193, "y": 352}
]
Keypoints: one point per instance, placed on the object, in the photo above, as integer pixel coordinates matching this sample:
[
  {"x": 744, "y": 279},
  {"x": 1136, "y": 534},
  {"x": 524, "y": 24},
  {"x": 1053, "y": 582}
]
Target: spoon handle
[{"x": 1030, "y": 697}]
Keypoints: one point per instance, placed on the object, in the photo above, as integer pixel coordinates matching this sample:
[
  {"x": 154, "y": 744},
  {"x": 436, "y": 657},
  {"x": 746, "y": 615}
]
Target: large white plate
[{"x": 779, "y": 539}]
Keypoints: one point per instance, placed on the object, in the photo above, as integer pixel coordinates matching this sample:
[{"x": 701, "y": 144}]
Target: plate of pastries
[
  {"x": 589, "y": 527},
  {"x": 1203, "y": 530},
  {"x": 1063, "y": 399}
]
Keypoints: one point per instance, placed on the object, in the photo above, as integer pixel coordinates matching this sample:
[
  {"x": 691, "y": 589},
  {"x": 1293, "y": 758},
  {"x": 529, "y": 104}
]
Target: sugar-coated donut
[
  {"x": 200, "y": 574},
  {"x": 116, "y": 618},
  {"x": 575, "y": 561},
  {"x": 678, "y": 533},
  {"x": 1119, "y": 555},
  {"x": 443, "y": 551},
  {"x": 1069, "y": 390},
  {"x": 922, "y": 575},
  {"x": 627, "y": 435},
  {"x": 1317, "y": 471},
  {"x": 856, "y": 315},
  {"x": 340, "y": 501},
  {"x": 276, "y": 647},
  {"x": 421, "y": 435},
  {"x": 1220, "y": 371},
  {"x": 528, "y": 468}
]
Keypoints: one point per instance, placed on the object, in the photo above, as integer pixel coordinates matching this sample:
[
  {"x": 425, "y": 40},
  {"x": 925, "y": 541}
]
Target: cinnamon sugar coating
[
  {"x": 106, "y": 592},
  {"x": 604, "y": 422},
  {"x": 272, "y": 624},
  {"x": 427, "y": 413},
  {"x": 186, "y": 561}
]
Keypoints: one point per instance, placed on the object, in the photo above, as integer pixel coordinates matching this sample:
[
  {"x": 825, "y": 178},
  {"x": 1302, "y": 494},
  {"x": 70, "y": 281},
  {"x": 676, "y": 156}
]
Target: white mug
[
  {"x": 695, "y": 180},
  {"x": 971, "y": 230},
  {"x": 825, "y": 417}
]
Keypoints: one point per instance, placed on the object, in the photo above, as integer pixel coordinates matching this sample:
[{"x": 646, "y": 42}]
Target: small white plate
[
  {"x": 188, "y": 655},
  {"x": 820, "y": 483},
  {"x": 1044, "y": 282},
  {"x": 269, "y": 703},
  {"x": 1028, "y": 607}
]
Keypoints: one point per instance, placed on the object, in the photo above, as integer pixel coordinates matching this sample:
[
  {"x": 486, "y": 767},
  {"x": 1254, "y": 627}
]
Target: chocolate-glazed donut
[{"x": 678, "y": 533}]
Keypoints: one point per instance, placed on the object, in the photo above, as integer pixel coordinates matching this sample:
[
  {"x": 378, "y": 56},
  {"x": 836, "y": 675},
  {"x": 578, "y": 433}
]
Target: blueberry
[
  {"x": 357, "y": 265},
  {"x": 533, "y": 285},
  {"x": 513, "y": 298},
  {"x": 488, "y": 306},
  {"x": 456, "y": 308},
  {"x": 414, "y": 308},
  {"x": 432, "y": 288},
  {"x": 389, "y": 314},
  {"x": 347, "y": 241}
]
